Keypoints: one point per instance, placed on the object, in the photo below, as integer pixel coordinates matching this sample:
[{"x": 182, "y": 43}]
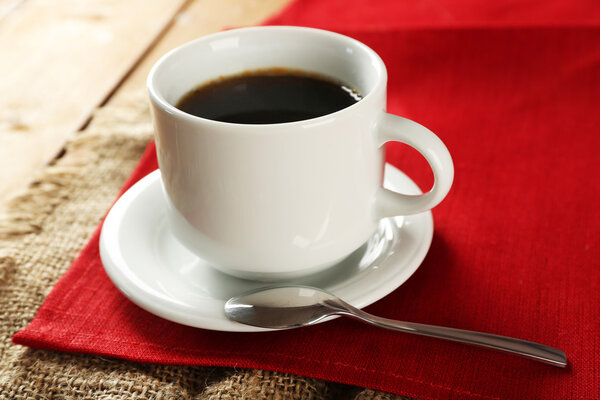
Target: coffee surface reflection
[{"x": 268, "y": 96}]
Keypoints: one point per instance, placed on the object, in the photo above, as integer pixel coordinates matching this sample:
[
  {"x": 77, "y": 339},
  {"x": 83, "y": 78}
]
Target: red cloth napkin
[{"x": 516, "y": 247}]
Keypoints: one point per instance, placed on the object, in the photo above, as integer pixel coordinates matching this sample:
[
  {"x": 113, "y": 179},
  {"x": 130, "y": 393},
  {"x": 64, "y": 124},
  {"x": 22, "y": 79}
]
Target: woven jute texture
[{"x": 41, "y": 233}]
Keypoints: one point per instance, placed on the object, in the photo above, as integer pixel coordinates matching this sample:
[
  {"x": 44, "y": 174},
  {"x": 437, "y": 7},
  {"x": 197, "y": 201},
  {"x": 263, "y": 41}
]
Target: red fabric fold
[{"x": 515, "y": 250}]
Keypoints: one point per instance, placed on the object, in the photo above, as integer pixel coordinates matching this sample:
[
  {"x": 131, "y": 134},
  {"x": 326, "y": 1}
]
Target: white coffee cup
[{"x": 278, "y": 201}]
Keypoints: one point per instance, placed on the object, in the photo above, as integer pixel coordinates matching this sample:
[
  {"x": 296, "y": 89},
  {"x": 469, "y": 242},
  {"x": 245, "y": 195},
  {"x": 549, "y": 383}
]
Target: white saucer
[{"x": 158, "y": 274}]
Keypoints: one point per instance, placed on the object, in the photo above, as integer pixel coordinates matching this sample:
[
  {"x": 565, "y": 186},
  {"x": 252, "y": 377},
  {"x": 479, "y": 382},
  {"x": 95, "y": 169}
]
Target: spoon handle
[{"x": 523, "y": 348}]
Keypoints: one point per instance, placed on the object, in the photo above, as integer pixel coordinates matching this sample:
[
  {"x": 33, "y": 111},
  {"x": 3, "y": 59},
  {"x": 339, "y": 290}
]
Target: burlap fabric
[{"x": 40, "y": 235}]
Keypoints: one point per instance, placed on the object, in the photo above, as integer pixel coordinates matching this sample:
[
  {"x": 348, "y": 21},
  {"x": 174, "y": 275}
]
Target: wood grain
[
  {"x": 58, "y": 61},
  {"x": 8, "y": 6}
]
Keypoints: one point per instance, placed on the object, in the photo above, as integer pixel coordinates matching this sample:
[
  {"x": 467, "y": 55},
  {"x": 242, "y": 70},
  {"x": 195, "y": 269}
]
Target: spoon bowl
[{"x": 281, "y": 307}]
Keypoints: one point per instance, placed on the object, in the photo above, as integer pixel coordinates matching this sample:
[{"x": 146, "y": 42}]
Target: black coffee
[{"x": 268, "y": 96}]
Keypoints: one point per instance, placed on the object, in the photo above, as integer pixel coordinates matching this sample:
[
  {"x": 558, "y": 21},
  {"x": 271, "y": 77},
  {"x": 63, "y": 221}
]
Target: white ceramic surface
[
  {"x": 282, "y": 200},
  {"x": 156, "y": 272}
]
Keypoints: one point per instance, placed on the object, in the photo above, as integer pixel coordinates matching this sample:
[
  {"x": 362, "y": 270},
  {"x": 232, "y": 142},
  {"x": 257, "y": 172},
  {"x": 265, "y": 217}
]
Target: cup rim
[{"x": 167, "y": 107}]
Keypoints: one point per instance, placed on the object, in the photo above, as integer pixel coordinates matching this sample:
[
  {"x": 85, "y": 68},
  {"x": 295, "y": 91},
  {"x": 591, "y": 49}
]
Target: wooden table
[{"x": 60, "y": 61}]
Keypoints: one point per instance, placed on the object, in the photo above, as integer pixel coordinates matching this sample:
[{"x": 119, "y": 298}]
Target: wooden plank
[
  {"x": 8, "y": 6},
  {"x": 199, "y": 18},
  {"x": 58, "y": 61}
]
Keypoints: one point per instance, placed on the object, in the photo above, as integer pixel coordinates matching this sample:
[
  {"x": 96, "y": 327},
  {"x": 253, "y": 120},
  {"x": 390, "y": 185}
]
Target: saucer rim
[{"x": 124, "y": 279}]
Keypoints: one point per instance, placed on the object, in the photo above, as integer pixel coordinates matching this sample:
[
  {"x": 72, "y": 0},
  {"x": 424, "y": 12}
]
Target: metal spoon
[{"x": 284, "y": 307}]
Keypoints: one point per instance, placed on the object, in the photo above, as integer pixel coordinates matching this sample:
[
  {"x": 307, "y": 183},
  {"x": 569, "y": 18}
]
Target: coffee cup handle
[{"x": 394, "y": 128}]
